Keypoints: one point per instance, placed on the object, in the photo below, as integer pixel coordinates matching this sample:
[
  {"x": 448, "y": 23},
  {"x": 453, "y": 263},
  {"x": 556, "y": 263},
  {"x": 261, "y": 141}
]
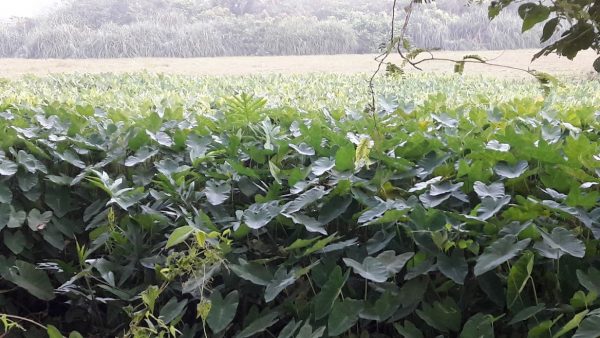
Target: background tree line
[{"x": 179, "y": 28}]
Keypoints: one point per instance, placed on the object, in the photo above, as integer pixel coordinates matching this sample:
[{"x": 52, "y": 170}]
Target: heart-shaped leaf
[
  {"x": 34, "y": 280},
  {"x": 499, "y": 252},
  {"x": 343, "y": 316},
  {"x": 454, "y": 266},
  {"x": 323, "y": 301},
  {"x": 37, "y": 221},
  {"x": 222, "y": 311},
  {"x": 561, "y": 241},
  {"x": 217, "y": 192},
  {"x": 494, "y": 190},
  {"x": 506, "y": 170}
]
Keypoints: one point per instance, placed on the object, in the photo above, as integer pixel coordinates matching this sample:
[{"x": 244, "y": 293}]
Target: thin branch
[
  {"x": 30, "y": 321},
  {"x": 383, "y": 56}
]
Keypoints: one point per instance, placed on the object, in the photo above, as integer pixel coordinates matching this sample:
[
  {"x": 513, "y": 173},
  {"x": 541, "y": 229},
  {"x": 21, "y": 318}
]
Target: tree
[{"x": 575, "y": 23}]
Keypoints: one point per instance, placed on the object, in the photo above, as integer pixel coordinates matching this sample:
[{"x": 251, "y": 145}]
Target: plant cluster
[
  {"x": 150, "y": 28},
  {"x": 248, "y": 220}
]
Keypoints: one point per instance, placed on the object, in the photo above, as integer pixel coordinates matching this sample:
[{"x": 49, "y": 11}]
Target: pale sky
[{"x": 27, "y": 8}]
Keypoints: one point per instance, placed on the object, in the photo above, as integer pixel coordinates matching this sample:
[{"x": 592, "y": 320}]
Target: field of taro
[{"x": 161, "y": 206}]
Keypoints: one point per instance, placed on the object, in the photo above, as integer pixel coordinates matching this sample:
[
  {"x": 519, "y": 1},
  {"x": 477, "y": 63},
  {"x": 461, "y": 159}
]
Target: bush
[{"x": 439, "y": 219}]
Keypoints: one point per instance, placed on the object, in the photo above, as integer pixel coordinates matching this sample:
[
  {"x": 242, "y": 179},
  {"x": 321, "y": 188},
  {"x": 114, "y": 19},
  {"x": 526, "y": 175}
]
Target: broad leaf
[
  {"x": 37, "y": 221},
  {"x": 511, "y": 171},
  {"x": 323, "y": 301},
  {"x": 343, "y": 316},
  {"x": 561, "y": 241},
  {"x": 494, "y": 190},
  {"x": 527, "y": 313},
  {"x": 281, "y": 280},
  {"x": 454, "y": 267},
  {"x": 478, "y": 326},
  {"x": 217, "y": 192},
  {"x": 32, "y": 279},
  {"x": 517, "y": 278},
  {"x": 259, "y": 215},
  {"x": 589, "y": 327},
  {"x": 253, "y": 272},
  {"x": 259, "y": 325},
  {"x": 222, "y": 311},
  {"x": 444, "y": 316},
  {"x": 179, "y": 235},
  {"x": 499, "y": 252}
]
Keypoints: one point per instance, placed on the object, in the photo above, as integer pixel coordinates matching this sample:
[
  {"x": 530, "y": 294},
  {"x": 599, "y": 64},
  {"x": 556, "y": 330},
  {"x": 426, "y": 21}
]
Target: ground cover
[{"x": 151, "y": 205}]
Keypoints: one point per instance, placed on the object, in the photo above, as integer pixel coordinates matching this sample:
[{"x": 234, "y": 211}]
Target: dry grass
[{"x": 346, "y": 64}]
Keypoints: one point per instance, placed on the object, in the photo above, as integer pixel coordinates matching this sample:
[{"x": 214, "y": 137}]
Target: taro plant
[{"x": 425, "y": 220}]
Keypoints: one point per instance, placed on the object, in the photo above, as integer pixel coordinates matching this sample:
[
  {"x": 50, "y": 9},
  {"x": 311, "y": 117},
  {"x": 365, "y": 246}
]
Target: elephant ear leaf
[
  {"x": 499, "y": 252},
  {"x": 324, "y": 300},
  {"x": 589, "y": 327},
  {"x": 343, "y": 316},
  {"x": 34, "y": 280},
  {"x": 518, "y": 277},
  {"x": 259, "y": 325},
  {"x": 478, "y": 326},
  {"x": 559, "y": 242},
  {"x": 222, "y": 311}
]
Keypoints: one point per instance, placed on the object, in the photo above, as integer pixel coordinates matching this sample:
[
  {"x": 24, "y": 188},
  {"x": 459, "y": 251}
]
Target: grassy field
[{"x": 343, "y": 64}]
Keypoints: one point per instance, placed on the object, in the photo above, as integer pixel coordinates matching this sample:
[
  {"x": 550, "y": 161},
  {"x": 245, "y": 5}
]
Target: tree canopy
[{"x": 572, "y": 25}]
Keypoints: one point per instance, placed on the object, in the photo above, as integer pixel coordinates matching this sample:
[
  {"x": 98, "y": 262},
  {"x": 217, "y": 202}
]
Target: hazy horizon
[{"x": 25, "y": 8}]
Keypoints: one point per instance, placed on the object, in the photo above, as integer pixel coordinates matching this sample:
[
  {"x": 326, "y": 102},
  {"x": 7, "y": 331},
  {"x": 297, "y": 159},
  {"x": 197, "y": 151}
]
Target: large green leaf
[
  {"x": 380, "y": 268},
  {"x": 37, "y": 221},
  {"x": 15, "y": 241},
  {"x": 532, "y": 14},
  {"x": 589, "y": 327},
  {"x": 517, "y": 278},
  {"x": 478, "y": 326},
  {"x": 281, "y": 280},
  {"x": 499, "y": 252},
  {"x": 53, "y": 332},
  {"x": 408, "y": 330},
  {"x": 323, "y": 301},
  {"x": 383, "y": 308},
  {"x": 259, "y": 325},
  {"x": 305, "y": 199},
  {"x": 444, "y": 316},
  {"x": 343, "y": 316},
  {"x": 494, "y": 190},
  {"x": 572, "y": 324},
  {"x": 344, "y": 158},
  {"x": 527, "y": 313},
  {"x": 217, "y": 192},
  {"x": 8, "y": 168},
  {"x": 454, "y": 267},
  {"x": 222, "y": 311},
  {"x": 141, "y": 156},
  {"x": 590, "y": 280},
  {"x": 511, "y": 171},
  {"x": 559, "y": 242},
  {"x": 6, "y": 194},
  {"x": 5, "y": 210},
  {"x": 254, "y": 272},
  {"x": 179, "y": 235},
  {"x": 259, "y": 215},
  {"x": 32, "y": 279},
  {"x": 172, "y": 309}
]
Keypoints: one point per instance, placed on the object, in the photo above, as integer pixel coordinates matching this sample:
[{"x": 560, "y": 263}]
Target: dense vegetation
[
  {"x": 172, "y": 28},
  {"x": 161, "y": 206}
]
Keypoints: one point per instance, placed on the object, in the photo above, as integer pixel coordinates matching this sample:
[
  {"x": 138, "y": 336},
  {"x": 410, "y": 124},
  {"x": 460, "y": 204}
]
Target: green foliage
[
  {"x": 581, "y": 20},
  {"x": 250, "y": 219}
]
